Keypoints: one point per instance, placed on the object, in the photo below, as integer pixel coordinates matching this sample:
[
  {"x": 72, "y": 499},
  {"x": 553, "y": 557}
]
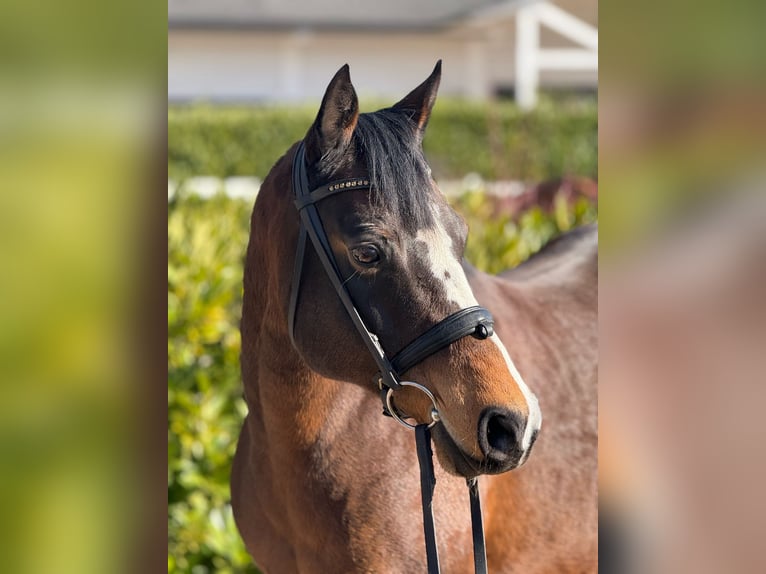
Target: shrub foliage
[
  {"x": 497, "y": 141},
  {"x": 206, "y": 240}
]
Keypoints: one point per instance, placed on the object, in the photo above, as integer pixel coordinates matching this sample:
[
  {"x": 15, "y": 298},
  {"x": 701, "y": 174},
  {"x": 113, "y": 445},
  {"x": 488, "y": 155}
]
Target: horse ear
[
  {"x": 420, "y": 101},
  {"x": 336, "y": 119}
]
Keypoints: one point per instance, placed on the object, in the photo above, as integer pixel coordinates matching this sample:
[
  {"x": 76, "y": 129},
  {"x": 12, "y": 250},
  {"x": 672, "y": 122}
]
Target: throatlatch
[{"x": 475, "y": 321}]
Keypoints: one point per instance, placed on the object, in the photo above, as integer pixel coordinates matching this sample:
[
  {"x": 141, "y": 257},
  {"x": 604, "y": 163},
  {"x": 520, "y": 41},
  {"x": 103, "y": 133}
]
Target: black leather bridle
[{"x": 475, "y": 321}]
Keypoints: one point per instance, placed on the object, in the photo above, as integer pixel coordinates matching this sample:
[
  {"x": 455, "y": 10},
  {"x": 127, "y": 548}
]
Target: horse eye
[{"x": 366, "y": 254}]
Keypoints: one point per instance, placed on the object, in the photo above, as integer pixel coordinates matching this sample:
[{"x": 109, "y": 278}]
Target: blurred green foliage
[
  {"x": 497, "y": 141},
  {"x": 206, "y": 242},
  {"x": 206, "y": 245},
  {"x": 499, "y": 241}
]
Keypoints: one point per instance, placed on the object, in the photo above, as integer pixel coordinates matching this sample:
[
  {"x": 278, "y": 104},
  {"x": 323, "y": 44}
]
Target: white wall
[
  {"x": 221, "y": 65},
  {"x": 294, "y": 67},
  {"x": 271, "y": 66}
]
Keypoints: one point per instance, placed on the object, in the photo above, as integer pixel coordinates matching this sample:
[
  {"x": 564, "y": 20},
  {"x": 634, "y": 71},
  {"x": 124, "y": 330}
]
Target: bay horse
[{"x": 321, "y": 482}]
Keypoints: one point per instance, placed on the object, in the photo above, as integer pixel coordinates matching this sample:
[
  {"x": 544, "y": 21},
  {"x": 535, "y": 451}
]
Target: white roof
[{"x": 328, "y": 14}]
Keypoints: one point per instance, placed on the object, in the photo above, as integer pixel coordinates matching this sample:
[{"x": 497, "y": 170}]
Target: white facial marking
[
  {"x": 444, "y": 265},
  {"x": 447, "y": 269},
  {"x": 535, "y": 417}
]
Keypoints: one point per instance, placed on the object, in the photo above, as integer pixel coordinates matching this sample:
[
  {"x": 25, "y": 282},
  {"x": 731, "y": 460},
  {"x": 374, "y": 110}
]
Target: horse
[{"x": 320, "y": 481}]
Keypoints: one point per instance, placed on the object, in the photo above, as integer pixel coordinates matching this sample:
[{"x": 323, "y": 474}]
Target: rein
[{"x": 475, "y": 321}]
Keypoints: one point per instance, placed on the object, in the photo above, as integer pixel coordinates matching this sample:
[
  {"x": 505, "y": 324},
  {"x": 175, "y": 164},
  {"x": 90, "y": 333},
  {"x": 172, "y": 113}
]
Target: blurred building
[{"x": 277, "y": 50}]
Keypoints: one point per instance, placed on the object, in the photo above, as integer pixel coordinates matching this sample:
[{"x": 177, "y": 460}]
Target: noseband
[{"x": 475, "y": 321}]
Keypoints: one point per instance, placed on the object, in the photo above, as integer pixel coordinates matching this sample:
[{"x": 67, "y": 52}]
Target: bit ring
[{"x": 399, "y": 418}]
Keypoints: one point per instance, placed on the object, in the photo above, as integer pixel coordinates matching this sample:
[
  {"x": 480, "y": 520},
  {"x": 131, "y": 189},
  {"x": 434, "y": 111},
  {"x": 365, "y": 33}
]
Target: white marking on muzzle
[{"x": 535, "y": 417}]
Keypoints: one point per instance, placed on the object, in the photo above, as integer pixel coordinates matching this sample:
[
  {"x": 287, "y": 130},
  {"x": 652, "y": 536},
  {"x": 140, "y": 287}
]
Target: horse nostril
[{"x": 499, "y": 432}]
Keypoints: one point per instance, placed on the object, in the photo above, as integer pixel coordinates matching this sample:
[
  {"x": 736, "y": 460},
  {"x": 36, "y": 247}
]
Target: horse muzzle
[{"x": 500, "y": 436}]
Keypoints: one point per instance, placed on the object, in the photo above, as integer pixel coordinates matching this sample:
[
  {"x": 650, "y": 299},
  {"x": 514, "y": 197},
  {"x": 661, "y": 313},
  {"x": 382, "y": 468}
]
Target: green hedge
[
  {"x": 496, "y": 141},
  {"x": 206, "y": 246},
  {"x": 498, "y": 241},
  {"x": 206, "y": 242}
]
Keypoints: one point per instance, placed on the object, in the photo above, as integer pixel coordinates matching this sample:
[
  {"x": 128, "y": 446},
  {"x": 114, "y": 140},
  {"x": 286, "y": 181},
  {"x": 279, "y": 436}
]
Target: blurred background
[
  {"x": 682, "y": 267},
  {"x": 85, "y": 477},
  {"x": 272, "y": 51},
  {"x": 512, "y": 141}
]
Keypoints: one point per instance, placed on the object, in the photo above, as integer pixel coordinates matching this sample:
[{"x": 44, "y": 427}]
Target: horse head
[{"x": 398, "y": 247}]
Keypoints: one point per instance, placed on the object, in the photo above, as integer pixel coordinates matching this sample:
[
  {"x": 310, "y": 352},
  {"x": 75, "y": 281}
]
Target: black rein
[{"x": 475, "y": 321}]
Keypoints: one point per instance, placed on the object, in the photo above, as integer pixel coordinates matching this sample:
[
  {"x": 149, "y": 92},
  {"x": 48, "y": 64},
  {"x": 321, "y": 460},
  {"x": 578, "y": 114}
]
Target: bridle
[{"x": 475, "y": 321}]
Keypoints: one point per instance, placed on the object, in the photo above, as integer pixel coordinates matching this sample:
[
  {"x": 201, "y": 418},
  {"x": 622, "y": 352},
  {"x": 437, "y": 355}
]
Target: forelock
[{"x": 400, "y": 177}]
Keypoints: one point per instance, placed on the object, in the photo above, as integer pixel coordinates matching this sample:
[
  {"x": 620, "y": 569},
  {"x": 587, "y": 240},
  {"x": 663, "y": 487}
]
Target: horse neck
[{"x": 285, "y": 393}]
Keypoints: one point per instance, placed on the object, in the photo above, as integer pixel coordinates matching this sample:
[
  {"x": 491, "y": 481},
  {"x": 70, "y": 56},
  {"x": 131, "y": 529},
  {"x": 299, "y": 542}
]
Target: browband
[{"x": 332, "y": 188}]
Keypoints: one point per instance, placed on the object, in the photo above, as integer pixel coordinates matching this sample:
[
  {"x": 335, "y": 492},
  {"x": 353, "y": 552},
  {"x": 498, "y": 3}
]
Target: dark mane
[{"x": 398, "y": 171}]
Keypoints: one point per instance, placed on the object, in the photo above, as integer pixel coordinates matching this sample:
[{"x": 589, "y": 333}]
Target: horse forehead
[{"x": 443, "y": 264}]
